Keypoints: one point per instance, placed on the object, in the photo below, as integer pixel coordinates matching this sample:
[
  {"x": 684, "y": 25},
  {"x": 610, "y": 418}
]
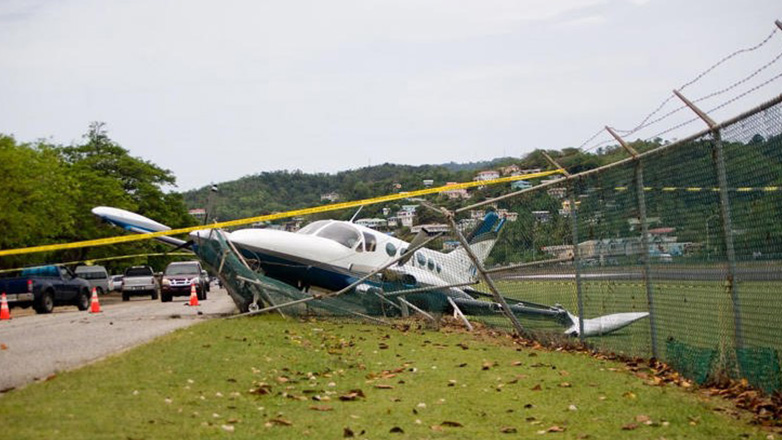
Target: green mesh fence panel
[
  {"x": 692, "y": 362},
  {"x": 760, "y": 366}
]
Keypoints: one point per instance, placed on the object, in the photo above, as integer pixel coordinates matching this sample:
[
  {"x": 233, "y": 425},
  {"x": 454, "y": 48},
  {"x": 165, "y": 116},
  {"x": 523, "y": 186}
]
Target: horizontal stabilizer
[{"x": 603, "y": 325}]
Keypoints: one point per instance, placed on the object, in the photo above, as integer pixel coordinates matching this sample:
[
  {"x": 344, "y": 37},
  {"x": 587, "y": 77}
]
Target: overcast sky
[{"x": 218, "y": 90}]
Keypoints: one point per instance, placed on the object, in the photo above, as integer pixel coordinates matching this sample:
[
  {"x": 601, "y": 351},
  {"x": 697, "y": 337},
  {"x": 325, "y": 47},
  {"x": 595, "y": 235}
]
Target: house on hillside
[
  {"x": 374, "y": 223},
  {"x": 509, "y": 170},
  {"x": 431, "y": 228},
  {"x": 510, "y": 216},
  {"x": 542, "y": 216},
  {"x": 405, "y": 218},
  {"x": 331, "y": 197},
  {"x": 487, "y": 175},
  {"x": 459, "y": 193},
  {"x": 520, "y": 184}
]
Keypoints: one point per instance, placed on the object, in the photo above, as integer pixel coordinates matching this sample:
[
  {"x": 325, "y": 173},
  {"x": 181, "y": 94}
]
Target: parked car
[
  {"x": 96, "y": 276},
  {"x": 115, "y": 283},
  {"x": 139, "y": 280},
  {"x": 179, "y": 276},
  {"x": 44, "y": 287}
]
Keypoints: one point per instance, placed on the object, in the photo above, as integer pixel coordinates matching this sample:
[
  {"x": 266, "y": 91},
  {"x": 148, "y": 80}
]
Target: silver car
[
  {"x": 139, "y": 280},
  {"x": 96, "y": 276}
]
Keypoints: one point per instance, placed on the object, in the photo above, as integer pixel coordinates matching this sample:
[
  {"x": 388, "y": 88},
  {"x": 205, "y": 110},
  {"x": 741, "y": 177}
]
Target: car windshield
[
  {"x": 182, "y": 269},
  {"x": 138, "y": 272},
  {"x": 341, "y": 233}
]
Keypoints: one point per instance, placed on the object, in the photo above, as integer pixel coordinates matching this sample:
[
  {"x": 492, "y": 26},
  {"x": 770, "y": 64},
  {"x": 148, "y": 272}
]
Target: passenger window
[
  {"x": 370, "y": 242},
  {"x": 390, "y": 249},
  {"x": 430, "y": 264},
  {"x": 421, "y": 259}
]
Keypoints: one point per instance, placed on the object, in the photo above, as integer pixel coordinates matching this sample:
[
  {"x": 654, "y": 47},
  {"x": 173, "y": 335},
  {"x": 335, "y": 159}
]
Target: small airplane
[{"x": 332, "y": 255}]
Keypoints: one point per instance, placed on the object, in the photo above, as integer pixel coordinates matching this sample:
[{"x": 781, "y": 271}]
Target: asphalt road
[{"x": 34, "y": 347}]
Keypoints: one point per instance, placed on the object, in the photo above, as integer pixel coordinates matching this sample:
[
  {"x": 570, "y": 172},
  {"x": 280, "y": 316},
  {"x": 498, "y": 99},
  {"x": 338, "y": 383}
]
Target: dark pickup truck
[{"x": 44, "y": 287}]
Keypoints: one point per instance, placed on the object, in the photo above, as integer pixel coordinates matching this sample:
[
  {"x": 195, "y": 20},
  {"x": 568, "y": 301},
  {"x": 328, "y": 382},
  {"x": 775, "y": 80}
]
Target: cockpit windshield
[
  {"x": 312, "y": 227},
  {"x": 341, "y": 233}
]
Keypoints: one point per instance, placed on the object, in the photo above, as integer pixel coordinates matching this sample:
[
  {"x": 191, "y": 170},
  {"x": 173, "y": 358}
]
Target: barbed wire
[
  {"x": 747, "y": 92},
  {"x": 725, "y": 59},
  {"x": 591, "y": 138},
  {"x": 645, "y": 122},
  {"x": 740, "y": 82}
]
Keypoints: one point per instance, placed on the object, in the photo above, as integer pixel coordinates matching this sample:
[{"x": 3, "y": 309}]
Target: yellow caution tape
[
  {"x": 277, "y": 216},
  {"x": 699, "y": 189}
]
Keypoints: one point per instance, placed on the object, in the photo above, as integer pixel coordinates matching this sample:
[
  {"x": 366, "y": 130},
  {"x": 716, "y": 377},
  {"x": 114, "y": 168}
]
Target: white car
[{"x": 115, "y": 283}]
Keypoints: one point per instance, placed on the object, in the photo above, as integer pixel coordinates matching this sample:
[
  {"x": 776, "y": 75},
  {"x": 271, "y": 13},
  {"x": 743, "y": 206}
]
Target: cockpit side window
[
  {"x": 341, "y": 233},
  {"x": 370, "y": 242},
  {"x": 312, "y": 227}
]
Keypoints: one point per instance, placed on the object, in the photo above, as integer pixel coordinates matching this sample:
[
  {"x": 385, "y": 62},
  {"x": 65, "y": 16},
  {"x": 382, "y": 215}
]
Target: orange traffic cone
[
  {"x": 5, "y": 313},
  {"x": 193, "y": 295},
  {"x": 94, "y": 304}
]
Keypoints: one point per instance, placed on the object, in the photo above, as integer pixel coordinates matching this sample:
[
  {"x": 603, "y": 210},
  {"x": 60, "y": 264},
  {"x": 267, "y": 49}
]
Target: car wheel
[
  {"x": 154, "y": 294},
  {"x": 125, "y": 296},
  {"x": 45, "y": 303},
  {"x": 83, "y": 300},
  {"x": 165, "y": 297}
]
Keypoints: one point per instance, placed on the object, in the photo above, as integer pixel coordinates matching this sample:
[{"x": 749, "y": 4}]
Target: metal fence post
[
  {"x": 639, "y": 183},
  {"x": 647, "y": 270},
  {"x": 727, "y": 230},
  {"x": 576, "y": 259},
  {"x": 576, "y": 251},
  {"x": 727, "y": 224}
]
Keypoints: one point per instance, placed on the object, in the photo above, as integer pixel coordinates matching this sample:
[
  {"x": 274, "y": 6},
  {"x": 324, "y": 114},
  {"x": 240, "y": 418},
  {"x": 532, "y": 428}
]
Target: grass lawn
[
  {"x": 699, "y": 313},
  {"x": 266, "y": 377}
]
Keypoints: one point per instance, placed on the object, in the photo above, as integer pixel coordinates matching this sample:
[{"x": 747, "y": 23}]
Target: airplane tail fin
[{"x": 481, "y": 240}]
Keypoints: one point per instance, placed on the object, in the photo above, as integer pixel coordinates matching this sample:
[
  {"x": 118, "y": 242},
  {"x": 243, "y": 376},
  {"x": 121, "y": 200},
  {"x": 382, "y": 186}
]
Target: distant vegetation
[{"x": 48, "y": 191}]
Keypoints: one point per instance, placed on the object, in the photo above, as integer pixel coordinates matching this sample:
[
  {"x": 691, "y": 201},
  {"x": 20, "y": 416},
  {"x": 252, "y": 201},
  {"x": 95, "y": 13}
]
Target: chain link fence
[
  {"x": 672, "y": 253},
  {"x": 688, "y": 232}
]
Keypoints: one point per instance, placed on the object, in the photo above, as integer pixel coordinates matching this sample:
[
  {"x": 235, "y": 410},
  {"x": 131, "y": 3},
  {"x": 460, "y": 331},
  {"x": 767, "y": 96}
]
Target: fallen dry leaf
[
  {"x": 396, "y": 430},
  {"x": 508, "y": 430},
  {"x": 629, "y": 427},
  {"x": 280, "y": 421},
  {"x": 347, "y": 433},
  {"x": 565, "y": 385},
  {"x": 321, "y": 408},
  {"x": 352, "y": 395},
  {"x": 536, "y": 388},
  {"x": 556, "y": 428},
  {"x": 452, "y": 424},
  {"x": 261, "y": 389},
  {"x": 643, "y": 419}
]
